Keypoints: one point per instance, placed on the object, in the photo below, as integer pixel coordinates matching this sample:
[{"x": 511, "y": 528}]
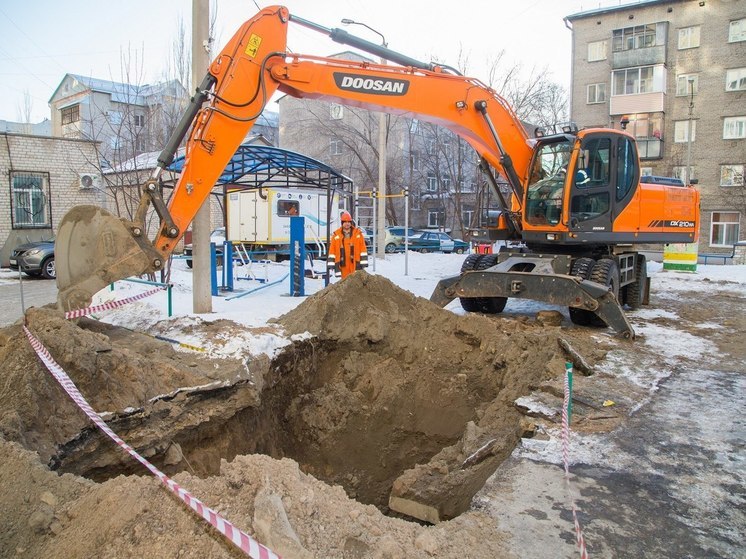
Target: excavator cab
[{"x": 579, "y": 184}]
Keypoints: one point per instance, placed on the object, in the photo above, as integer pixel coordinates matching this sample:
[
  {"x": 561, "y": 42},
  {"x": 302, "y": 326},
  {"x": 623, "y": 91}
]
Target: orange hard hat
[{"x": 346, "y": 217}]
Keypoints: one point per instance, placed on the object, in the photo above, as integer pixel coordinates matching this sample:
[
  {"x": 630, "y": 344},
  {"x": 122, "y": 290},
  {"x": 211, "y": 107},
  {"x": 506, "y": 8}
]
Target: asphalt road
[{"x": 37, "y": 292}]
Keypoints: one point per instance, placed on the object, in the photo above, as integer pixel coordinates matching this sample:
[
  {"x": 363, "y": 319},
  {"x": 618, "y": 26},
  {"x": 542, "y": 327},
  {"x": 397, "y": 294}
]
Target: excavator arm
[{"x": 95, "y": 248}]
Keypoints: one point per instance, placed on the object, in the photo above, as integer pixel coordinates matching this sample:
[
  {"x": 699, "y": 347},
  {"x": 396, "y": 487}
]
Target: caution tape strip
[
  {"x": 111, "y": 304},
  {"x": 579, "y": 539},
  {"x": 237, "y": 537}
]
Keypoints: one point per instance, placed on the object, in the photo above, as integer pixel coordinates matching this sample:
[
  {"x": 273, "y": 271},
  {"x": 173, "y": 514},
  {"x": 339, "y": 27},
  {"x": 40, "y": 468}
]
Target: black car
[{"x": 35, "y": 259}]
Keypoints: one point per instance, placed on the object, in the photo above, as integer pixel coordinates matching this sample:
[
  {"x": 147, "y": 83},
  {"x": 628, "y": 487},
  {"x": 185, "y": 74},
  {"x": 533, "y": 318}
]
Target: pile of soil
[{"x": 391, "y": 406}]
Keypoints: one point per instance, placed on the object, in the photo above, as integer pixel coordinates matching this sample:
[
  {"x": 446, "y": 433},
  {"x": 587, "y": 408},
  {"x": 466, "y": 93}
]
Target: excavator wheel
[
  {"x": 490, "y": 305},
  {"x": 486, "y": 305},
  {"x": 635, "y": 292},
  {"x": 605, "y": 272},
  {"x": 582, "y": 268},
  {"x": 467, "y": 303}
]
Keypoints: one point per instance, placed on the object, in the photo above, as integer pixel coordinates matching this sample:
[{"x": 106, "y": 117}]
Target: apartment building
[
  {"x": 674, "y": 73},
  {"x": 125, "y": 119}
]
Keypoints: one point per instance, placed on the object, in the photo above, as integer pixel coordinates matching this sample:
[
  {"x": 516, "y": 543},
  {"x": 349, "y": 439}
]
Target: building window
[
  {"x": 430, "y": 146},
  {"x": 682, "y": 84},
  {"x": 724, "y": 228},
  {"x": 414, "y": 160},
  {"x": 689, "y": 37},
  {"x": 646, "y": 171},
  {"x": 335, "y": 147},
  {"x": 114, "y": 118},
  {"x": 114, "y": 142},
  {"x": 737, "y": 31},
  {"x": 597, "y": 51},
  {"x": 336, "y": 111},
  {"x": 140, "y": 144},
  {"x": 637, "y": 37},
  {"x": 646, "y": 128},
  {"x": 139, "y": 120},
  {"x": 646, "y": 79},
  {"x": 446, "y": 182},
  {"x": 467, "y": 186},
  {"x": 70, "y": 114},
  {"x": 735, "y": 80},
  {"x": 731, "y": 175},
  {"x": 681, "y": 131},
  {"x": 433, "y": 218},
  {"x": 679, "y": 172},
  {"x": 466, "y": 217},
  {"x": 432, "y": 182},
  {"x": 596, "y": 93},
  {"x": 30, "y": 200},
  {"x": 734, "y": 128},
  {"x": 414, "y": 126}
]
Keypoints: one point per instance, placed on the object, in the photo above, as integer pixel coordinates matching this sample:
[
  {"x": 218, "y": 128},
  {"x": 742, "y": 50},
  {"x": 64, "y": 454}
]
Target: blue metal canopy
[{"x": 259, "y": 166}]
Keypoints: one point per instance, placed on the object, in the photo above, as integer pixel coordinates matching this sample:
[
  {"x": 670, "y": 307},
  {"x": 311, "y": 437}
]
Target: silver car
[{"x": 35, "y": 259}]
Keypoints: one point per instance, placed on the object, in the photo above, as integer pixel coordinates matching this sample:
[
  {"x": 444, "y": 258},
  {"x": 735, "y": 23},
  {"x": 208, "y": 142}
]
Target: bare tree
[{"x": 24, "y": 110}]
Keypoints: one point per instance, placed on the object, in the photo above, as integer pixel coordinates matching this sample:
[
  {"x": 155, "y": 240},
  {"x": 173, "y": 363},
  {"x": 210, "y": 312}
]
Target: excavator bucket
[{"x": 94, "y": 248}]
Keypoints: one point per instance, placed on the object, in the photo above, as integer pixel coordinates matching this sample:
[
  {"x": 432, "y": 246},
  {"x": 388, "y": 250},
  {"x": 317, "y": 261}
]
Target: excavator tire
[
  {"x": 582, "y": 267},
  {"x": 635, "y": 292},
  {"x": 489, "y": 305},
  {"x": 605, "y": 272},
  {"x": 467, "y": 303}
]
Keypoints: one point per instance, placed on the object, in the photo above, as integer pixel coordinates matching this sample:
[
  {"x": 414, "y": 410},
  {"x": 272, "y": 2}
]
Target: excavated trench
[
  {"x": 406, "y": 406},
  {"x": 341, "y": 426}
]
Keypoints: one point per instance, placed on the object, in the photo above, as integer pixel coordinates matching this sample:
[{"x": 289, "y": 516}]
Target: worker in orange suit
[{"x": 347, "y": 250}]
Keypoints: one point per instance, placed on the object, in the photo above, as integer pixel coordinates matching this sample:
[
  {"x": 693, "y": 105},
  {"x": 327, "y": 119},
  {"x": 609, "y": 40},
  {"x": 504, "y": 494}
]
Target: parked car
[
  {"x": 217, "y": 237},
  {"x": 35, "y": 259},
  {"x": 433, "y": 241},
  {"x": 391, "y": 242},
  {"x": 398, "y": 233}
]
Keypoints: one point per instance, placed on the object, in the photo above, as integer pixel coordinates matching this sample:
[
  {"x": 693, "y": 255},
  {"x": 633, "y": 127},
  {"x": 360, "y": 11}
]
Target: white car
[{"x": 217, "y": 237}]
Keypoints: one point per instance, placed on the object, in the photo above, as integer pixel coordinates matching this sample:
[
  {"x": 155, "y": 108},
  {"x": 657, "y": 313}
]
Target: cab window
[{"x": 626, "y": 168}]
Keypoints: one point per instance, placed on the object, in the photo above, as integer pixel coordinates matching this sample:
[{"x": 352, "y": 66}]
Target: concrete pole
[
  {"x": 687, "y": 171},
  {"x": 201, "y": 292},
  {"x": 381, "y": 249}
]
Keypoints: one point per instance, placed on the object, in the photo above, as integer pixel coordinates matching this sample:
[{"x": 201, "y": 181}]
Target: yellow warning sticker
[{"x": 253, "y": 47}]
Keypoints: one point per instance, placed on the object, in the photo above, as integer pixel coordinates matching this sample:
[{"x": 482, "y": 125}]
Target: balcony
[
  {"x": 649, "y": 56},
  {"x": 650, "y": 148},
  {"x": 637, "y": 103}
]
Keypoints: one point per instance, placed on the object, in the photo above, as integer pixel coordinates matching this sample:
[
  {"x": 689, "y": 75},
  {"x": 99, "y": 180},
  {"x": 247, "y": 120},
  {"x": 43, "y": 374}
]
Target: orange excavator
[{"x": 576, "y": 203}]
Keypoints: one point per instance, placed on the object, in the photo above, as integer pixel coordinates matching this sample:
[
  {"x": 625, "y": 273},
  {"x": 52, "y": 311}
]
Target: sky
[{"x": 44, "y": 39}]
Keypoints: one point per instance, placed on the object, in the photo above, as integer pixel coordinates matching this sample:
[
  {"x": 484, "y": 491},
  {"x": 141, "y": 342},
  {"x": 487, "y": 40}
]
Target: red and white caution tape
[
  {"x": 111, "y": 304},
  {"x": 579, "y": 539},
  {"x": 240, "y": 539}
]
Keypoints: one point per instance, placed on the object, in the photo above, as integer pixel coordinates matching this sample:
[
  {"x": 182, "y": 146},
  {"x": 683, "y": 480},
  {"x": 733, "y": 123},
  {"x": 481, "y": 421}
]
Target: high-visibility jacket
[{"x": 347, "y": 254}]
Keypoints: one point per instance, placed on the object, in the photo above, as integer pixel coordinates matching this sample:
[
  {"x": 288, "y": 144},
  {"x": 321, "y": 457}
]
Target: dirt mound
[
  {"x": 431, "y": 392},
  {"x": 407, "y": 407}
]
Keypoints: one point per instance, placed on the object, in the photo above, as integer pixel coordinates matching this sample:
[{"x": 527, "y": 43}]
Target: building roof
[
  {"x": 621, "y": 7},
  {"x": 261, "y": 166},
  {"x": 123, "y": 92}
]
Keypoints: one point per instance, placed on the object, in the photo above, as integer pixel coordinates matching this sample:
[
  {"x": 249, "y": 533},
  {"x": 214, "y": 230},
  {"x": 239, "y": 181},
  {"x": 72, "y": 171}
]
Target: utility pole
[
  {"x": 688, "y": 175},
  {"x": 201, "y": 284},
  {"x": 382, "y": 190}
]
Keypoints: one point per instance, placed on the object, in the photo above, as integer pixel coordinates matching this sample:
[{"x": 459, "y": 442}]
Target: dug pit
[{"x": 408, "y": 407}]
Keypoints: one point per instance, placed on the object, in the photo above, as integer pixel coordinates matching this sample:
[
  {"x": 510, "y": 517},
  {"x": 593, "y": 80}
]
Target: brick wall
[{"x": 62, "y": 160}]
